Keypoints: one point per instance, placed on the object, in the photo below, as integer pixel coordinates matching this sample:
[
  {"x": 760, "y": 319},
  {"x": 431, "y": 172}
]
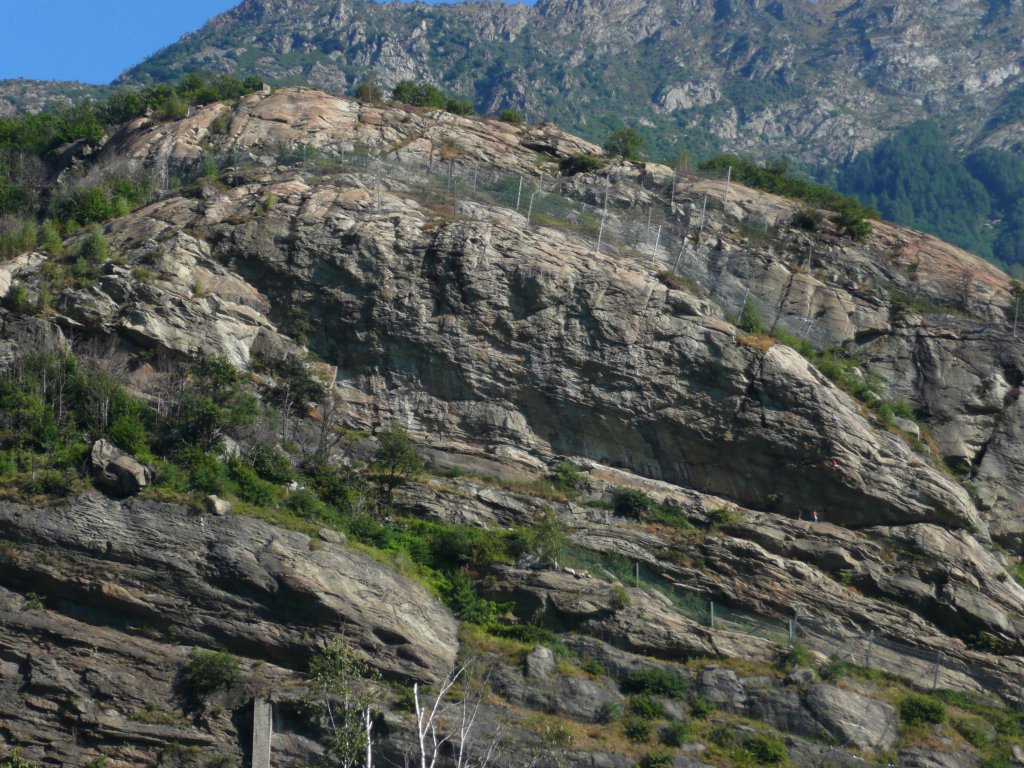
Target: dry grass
[{"x": 758, "y": 341}]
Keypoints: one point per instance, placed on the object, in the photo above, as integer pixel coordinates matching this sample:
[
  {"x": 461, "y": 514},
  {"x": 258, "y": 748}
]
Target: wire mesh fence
[
  {"x": 639, "y": 217},
  {"x": 926, "y": 667}
]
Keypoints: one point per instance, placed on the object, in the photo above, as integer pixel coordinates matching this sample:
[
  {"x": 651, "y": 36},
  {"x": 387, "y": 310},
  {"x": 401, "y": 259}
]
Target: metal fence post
[
  {"x": 657, "y": 240},
  {"x": 703, "y": 212}
]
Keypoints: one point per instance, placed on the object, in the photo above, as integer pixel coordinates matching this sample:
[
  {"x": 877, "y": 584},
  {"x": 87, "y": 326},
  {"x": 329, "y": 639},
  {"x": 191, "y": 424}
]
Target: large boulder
[
  {"x": 117, "y": 472},
  {"x": 854, "y": 719}
]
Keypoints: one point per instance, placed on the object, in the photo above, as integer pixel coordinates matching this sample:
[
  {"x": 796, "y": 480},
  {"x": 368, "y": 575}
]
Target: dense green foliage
[
  {"x": 428, "y": 95},
  {"x": 918, "y": 709},
  {"x": 914, "y": 178},
  {"x": 851, "y": 215},
  {"x": 645, "y": 707},
  {"x": 655, "y": 681},
  {"x": 584, "y": 163},
  {"x": 206, "y": 672},
  {"x": 626, "y": 143}
]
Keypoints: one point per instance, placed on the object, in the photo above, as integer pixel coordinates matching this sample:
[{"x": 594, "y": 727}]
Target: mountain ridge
[{"x": 815, "y": 83}]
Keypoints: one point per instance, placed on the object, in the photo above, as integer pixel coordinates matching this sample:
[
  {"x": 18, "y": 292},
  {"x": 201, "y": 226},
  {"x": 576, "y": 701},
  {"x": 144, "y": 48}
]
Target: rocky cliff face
[
  {"x": 505, "y": 348},
  {"x": 812, "y": 81}
]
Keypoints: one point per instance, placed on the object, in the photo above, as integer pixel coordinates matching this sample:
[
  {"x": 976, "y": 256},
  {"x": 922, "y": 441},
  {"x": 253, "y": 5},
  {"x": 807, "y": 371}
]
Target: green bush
[
  {"x": 632, "y": 503},
  {"x": 793, "y": 656},
  {"x": 17, "y": 298},
  {"x": 129, "y": 432},
  {"x": 461, "y": 597},
  {"x": 50, "y": 239},
  {"x": 645, "y": 707},
  {"x": 917, "y": 710},
  {"x": 765, "y": 750},
  {"x": 205, "y": 472},
  {"x": 18, "y": 237},
  {"x": 656, "y": 760},
  {"x": 567, "y": 477},
  {"x": 546, "y": 539},
  {"x": 15, "y": 760},
  {"x": 584, "y": 163},
  {"x": 700, "y": 708},
  {"x": 174, "y": 107},
  {"x": 724, "y": 515},
  {"x": 369, "y": 90},
  {"x": 459, "y": 107},
  {"x": 251, "y": 487},
  {"x": 674, "y": 734},
  {"x": 834, "y": 669},
  {"x": 750, "y": 318},
  {"x": 307, "y": 504},
  {"x": 636, "y": 730},
  {"x": 206, "y": 672},
  {"x": 807, "y": 219},
  {"x": 272, "y": 464},
  {"x": 419, "y": 95},
  {"x": 850, "y": 218},
  {"x": 510, "y": 116},
  {"x": 654, "y": 681},
  {"x": 607, "y": 713},
  {"x": 395, "y": 461}
]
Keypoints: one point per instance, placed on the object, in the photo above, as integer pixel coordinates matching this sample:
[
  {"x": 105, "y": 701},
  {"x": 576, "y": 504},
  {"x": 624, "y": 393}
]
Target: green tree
[
  {"x": 94, "y": 248},
  {"x": 626, "y": 143},
  {"x": 405, "y": 92},
  {"x": 344, "y": 687},
  {"x": 459, "y": 107},
  {"x": 395, "y": 461},
  {"x": 215, "y": 405},
  {"x": 419, "y": 95},
  {"x": 546, "y": 538},
  {"x": 369, "y": 90}
]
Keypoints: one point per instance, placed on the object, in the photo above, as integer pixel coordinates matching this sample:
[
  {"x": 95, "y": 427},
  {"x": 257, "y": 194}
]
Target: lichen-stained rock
[{"x": 226, "y": 579}]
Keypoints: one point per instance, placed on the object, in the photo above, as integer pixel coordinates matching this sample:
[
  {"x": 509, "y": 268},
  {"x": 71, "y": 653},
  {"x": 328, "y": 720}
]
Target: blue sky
[{"x": 93, "y": 42}]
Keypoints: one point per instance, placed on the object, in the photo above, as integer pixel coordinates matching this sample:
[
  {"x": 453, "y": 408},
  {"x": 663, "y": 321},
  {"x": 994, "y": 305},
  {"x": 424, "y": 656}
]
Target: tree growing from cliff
[
  {"x": 344, "y": 690},
  {"x": 394, "y": 462},
  {"x": 369, "y": 90},
  {"x": 626, "y": 143}
]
